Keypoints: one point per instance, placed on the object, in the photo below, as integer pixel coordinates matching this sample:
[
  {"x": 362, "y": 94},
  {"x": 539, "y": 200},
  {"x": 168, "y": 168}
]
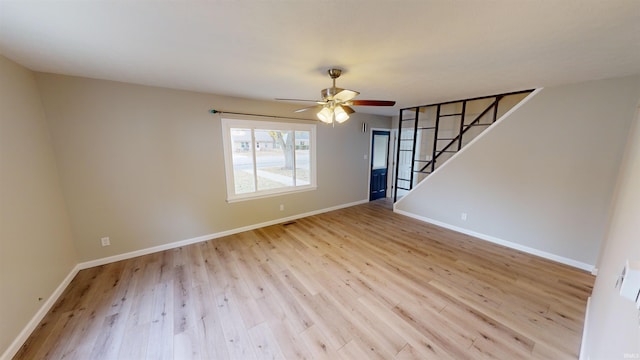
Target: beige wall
[
  {"x": 145, "y": 165},
  {"x": 613, "y": 329},
  {"x": 36, "y": 245},
  {"x": 542, "y": 179}
]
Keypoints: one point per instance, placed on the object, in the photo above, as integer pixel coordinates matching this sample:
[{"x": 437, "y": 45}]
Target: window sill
[{"x": 269, "y": 194}]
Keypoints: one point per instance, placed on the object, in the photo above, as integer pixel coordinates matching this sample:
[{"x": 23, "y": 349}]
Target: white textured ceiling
[{"x": 414, "y": 52}]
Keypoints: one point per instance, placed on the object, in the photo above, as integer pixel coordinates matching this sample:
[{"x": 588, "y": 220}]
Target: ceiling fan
[{"x": 336, "y": 102}]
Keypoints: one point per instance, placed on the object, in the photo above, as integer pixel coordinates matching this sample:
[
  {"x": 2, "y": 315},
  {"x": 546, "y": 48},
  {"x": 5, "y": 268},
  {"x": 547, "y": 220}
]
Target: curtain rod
[{"x": 214, "y": 111}]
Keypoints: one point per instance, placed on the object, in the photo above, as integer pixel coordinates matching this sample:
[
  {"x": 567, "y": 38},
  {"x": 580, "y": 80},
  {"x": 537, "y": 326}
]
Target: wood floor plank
[
  {"x": 454, "y": 338},
  {"x": 290, "y": 341},
  {"x": 65, "y": 323},
  {"x": 409, "y": 353},
  {"x": 355, "y": 283},
  {"x": 353, "y": 350},
  {"x": 490, "y": 329},
  {"x": 419, "y": 343},
  {"x": 236, "y": 334},
  {"x": 264, "y": 343},
  {"x": 326, "y": 316},
  {"x": 160, "y": 345},
  {"x": 316, "y": 341}
]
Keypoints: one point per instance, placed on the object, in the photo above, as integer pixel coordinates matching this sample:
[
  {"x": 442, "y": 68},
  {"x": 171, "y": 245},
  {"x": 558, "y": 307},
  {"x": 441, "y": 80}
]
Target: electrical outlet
[
  {"x": 281, "y": 207},
  {"x": 463, "y": 216},
  {"x": 105, "y": 241}
]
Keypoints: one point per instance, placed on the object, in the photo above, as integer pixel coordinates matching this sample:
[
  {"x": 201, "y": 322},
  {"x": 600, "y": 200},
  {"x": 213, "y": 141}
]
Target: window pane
[
  {"x": 268, "y": 158},
  {"x": 380, "y": 151},
  {"x": 274, "y": 158},
  {"x": 303, "y": 158},
  {"x": 242, "y": 161}
]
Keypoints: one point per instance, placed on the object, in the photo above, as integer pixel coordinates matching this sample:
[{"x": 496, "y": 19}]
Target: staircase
[{"x": 429, "y": 135}]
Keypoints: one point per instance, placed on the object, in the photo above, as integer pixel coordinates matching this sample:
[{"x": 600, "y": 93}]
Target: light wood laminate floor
[{"x": 356, "y": 283}]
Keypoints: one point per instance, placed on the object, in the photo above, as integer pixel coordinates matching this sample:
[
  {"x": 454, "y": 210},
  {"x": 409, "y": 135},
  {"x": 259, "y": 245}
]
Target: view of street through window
[{"x": 276, "y": 163}]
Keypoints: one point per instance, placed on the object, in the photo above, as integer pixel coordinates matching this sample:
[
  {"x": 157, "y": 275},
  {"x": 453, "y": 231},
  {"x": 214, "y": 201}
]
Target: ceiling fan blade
[
  {"x": 307, "y": 108},
  {"x": 372, "y": 103},
  {"x": 345, "y": 95},
  {"x": 348, "y": 109},
  {"x": 303, "y": 100}
]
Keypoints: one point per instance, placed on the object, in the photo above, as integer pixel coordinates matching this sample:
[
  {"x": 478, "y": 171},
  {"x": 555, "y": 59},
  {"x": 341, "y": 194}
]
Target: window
[{"x": 268, "y": 158}]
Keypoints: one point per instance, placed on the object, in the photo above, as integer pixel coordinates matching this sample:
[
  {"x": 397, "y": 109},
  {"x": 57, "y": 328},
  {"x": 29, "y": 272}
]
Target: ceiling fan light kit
[
  {"x": 336, "y": 102},
  {"x": 325, "y": 115},
  {"x": 340, "y": 115}
]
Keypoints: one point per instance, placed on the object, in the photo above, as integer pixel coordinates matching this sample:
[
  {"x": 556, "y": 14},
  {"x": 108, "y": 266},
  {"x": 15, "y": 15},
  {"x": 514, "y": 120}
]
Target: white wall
[
  {"x": 36, "y": 245},
  {"x": 145, "y": 165},
  {"x": 613, "y": 329},
  {"x": 542, "y": 179}
]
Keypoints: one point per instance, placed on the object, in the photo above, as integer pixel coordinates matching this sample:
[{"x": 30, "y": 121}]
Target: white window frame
[{"x": 228, "y": 124}]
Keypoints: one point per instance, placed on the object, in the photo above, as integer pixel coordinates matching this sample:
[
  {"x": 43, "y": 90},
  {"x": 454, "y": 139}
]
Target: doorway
[{"x": 379, "y": 164}]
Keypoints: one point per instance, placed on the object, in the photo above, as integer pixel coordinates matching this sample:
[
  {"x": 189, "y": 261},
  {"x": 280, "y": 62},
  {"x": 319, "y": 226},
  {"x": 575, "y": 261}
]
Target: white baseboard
[
  {"x": 17, "y": 343},
  {"x": 493, "y": 239},
  {"x": 177, "y": 244}
]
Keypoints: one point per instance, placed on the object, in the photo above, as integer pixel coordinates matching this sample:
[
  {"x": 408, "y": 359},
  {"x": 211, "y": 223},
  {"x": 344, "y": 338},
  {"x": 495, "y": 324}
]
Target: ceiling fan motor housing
[{"x": 329, "y": 93}]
